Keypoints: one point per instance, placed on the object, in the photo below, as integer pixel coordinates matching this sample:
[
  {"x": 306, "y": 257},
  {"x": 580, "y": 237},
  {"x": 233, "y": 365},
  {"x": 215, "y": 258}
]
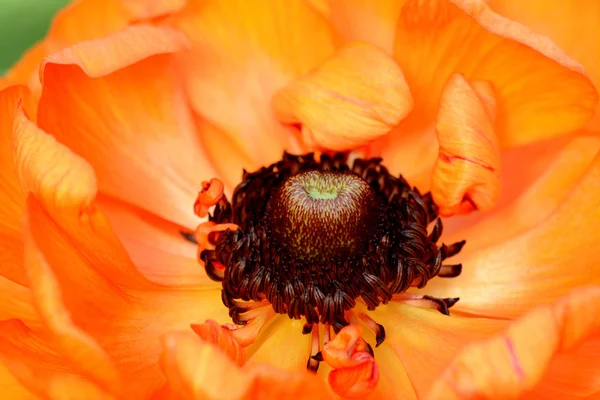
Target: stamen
[
  {"x": 313, "y": 364},
  {"x": 210, "y": 195},
  {"x": 419, "y": 300},
  {"x": 378, "y": 329}
]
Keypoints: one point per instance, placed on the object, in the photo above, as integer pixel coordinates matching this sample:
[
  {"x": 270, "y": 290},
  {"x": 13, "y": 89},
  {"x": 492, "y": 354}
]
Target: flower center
[
  {"x": 321, "y": 216},
  {"x": 313, "y": 237}
]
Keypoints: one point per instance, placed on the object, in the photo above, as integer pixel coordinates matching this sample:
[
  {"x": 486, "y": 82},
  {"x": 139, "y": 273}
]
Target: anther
[
  {"x": 378, "y": 329},
  {"x": 441, "y": 305},
  {"x": 313, "y": 364}
]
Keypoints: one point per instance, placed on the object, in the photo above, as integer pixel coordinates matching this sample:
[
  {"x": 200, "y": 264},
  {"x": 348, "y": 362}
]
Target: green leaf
[{"x": 22, "y": 24}]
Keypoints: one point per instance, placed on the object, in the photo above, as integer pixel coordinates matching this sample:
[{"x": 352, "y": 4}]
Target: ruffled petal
[
  {"x": 39, "y": 369},
  {"x": 84, "y": 279},
  {"x": 465, "y": 176},
  {"x": 197, "y": 370},
  {"x": 157, "y": 247},
  {"x": 94, "y": 19},
  {"x": 104, "y": 98},
  {"x": 243, "y": 52},
  {"x": 11, "y": 195},
  {"x": 573, "y": 26},
  {"x": 353, "y": 98},
  {"x": 535, "y": 200},
  {"x": 542, "y": 263},
  {"x": 522, "y": 354},
  {"x": 425, "y": 341},
  {"x": 16, "y": 303},
  {"x": 541, "y": 92}
]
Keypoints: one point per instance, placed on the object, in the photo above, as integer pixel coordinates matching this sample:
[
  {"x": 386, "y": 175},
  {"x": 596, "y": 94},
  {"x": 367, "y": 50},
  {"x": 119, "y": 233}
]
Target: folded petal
[
  {"x": 197, "y": 370},
  {"x": 83, "y": 282},
  {"x": 157, "y": 247},
  {"x": 11, "y": 196},
  {"x": 350, "y": 100},
  {"x": 465, "y": 176},
  {"x": 139, "y": 135},
  {"x": 424, "y": 342},
  {"x": 41, "y": 371},
  {"x": 243, "y": 52},
  {"x": 543, "y": 262},
  {"x": 541, "y": 92},
  {"x": 16, "y": 303},
  {"x": 522, "y": 354},
  {"x": 535, "y": 200},
  {"x": 572, "y": 25},
  {"x": 94, "y": 19}
]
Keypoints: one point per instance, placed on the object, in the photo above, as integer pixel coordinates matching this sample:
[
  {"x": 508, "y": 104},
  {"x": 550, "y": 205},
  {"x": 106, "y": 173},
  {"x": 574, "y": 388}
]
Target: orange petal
[
  {"x": 16, "y": 303},
  {"x": 425, "y": 342},
  {"x": 465, "y": 176},
  {"x": 157, "y": 247},
  {"x": 139, "y": 135},
  {"x": 371, "y": 22},
  {"x": 541, "y": 92},
  {"x": 197, "y": 370},
  {"x": 94, "y": 19},
  {"x": 350, "y": 100},
  {"x": 522, "y": 354},
  {"x": 571, "y": 25},
  {"x": 36, "y": 367},
  {"x": 11, "y": 195},
  {"x": 241, "y": 56},
  {"x": 540, "y": 264},
  {"x": 535, "y": 201},
  {"x": 72, "y": 343},
  {"x": 212, "y": 332}
]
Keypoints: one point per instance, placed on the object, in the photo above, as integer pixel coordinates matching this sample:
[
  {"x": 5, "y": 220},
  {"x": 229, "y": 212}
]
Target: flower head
[{"x": 141, "y": 154}]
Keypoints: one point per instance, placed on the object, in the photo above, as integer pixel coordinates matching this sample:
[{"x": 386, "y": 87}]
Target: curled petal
[
  {"x": 541, "y": 92},
  {"x": 338, "y": 352},
  {"x": 138, "y": 103},
  {"x": 466, "y": 176},
  {"x": 352, "y": 99},
  {"x": 212, "y": 332},
  {"x": 197, "y": 370},
  {"x": 210, "y": 195},
  {"x": 357, "y": 381},
  {"x": 522, "y": 355}
]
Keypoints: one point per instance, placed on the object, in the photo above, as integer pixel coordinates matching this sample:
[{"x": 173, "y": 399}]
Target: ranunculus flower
[{"x": 133, "y": 118}]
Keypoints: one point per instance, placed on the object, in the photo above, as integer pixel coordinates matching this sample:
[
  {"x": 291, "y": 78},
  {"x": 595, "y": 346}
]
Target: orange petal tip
[
  {"x": 352, "y": 99},
  {"x": 466, "y": 174}
]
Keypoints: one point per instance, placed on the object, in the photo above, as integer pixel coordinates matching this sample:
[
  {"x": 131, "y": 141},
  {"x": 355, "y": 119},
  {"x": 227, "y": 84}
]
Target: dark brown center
[{"x": 321, "y": 216}]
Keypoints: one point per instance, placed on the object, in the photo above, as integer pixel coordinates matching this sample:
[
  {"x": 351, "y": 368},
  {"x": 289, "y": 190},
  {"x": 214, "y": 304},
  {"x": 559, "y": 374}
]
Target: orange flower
[{"x": 111, "y": 125}]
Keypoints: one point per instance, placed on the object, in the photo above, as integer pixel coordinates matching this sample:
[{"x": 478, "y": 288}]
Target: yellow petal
[
  {"x": 353, "y": 98},
  {"x": 521, "y": 355},
  {"x": 466, "y": 173}
]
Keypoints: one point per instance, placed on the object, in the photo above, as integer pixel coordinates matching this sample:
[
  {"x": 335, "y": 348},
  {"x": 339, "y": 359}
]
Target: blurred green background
[{"x": 22, "y": 23}]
